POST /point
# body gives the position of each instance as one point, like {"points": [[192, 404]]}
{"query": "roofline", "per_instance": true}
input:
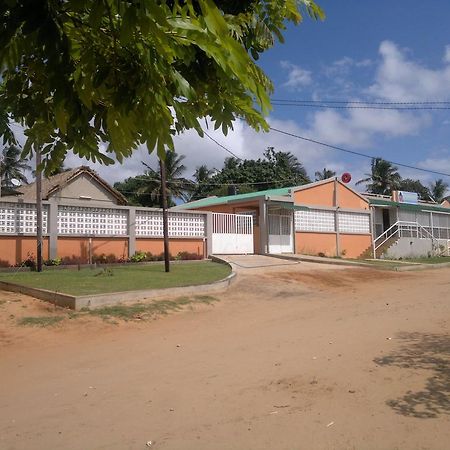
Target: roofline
{"points": [[326, 181], [85, 169]]}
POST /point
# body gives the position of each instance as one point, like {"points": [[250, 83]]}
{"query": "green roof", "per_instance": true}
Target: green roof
{"points": [[210, 201], [410, 206]]}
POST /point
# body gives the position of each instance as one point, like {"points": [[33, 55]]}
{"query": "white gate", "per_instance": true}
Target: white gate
{"points": [[280, 232], [232, 234]]}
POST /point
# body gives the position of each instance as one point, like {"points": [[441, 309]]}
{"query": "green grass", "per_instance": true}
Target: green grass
{"points": [[125, 278], [143, 311], [47, 321], [431, 260]]}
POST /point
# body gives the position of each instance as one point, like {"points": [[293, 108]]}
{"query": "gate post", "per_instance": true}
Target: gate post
{"points": [[208, 233]]}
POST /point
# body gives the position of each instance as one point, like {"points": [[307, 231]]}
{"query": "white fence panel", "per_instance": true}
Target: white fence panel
{"points": [[21, 218], [232, 234]]}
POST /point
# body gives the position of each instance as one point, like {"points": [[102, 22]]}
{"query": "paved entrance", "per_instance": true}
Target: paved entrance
{"points": [[256, 261]]}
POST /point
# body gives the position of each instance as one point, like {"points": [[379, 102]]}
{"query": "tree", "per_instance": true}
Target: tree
{"points": [[324, 174], [416, 186], [383, 177], [177, 186], [274, 170], [12, 166], [438, 190], [134, 190], [202, 182], [80, 73]]}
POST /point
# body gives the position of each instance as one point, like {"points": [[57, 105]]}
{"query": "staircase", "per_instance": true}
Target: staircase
{"points": [[368, 252]]}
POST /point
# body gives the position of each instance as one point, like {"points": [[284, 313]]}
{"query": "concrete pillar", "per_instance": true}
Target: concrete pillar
{"points": [[208, 233], [131, 232], [52, 230], [263, 227], [336, 217]]}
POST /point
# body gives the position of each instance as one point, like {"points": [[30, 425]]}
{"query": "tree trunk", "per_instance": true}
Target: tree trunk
{"points": [[162, 167], [38, 211]]}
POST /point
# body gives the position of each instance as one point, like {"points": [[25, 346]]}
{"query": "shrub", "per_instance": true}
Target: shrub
{"points": [[141, 256], [53, 262], [30, 262], [104, 258], [187, 256]]}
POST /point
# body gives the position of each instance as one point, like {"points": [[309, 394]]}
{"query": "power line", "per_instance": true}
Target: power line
{"points": [[385, 108], [352, 152], [222, 146], [360, 102]]}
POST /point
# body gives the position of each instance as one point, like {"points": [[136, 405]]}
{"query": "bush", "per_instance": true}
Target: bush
{"points": [[30, 262], [104, 258], [141, 256], [53, 262], [187, 256]]}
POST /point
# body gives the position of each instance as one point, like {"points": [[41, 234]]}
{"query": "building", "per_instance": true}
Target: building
{"points": [[322, 218], [84, 216]]}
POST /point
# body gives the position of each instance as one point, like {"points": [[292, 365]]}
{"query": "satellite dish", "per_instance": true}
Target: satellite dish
{"points": [[15, 182], [346, 177]]}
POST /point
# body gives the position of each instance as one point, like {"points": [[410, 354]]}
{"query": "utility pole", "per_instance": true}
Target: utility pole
{"points": [[162, 168], [38, 210]]}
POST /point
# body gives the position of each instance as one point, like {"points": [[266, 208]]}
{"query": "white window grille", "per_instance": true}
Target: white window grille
{"points": [[150, 223], [315, 220], [354, 223], [92, 221], [21, 218]]}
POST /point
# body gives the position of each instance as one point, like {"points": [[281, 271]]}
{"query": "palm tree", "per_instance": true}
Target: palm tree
{"points": [[12, 167], [203, 174], [324, 174], [383, 179], [438, 189], [177, 186]]}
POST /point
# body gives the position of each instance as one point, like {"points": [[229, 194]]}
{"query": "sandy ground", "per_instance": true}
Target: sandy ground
{"points": [[296, 356]]}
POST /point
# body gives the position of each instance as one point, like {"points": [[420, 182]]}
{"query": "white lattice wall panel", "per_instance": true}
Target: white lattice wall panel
{"points": [[354, 223], [94, 221], [314, 220], [20, 218], [150, 224]]}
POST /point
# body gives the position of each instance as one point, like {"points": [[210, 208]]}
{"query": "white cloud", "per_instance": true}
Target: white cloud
{"points": [[446, 57], [401, 79], [297, 78]]}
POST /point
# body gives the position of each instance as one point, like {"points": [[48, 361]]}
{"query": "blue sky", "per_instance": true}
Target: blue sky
{"points": [[364, 50]]}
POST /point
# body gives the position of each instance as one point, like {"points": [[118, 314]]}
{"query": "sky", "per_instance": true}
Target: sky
{"points": [[380, 51]]}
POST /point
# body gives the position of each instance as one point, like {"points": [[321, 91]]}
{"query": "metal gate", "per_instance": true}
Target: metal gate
{"points": [[232, 234], [280, 232]]}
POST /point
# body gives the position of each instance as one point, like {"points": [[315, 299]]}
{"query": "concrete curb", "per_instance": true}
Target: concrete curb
{"points": [[113, 298], [320, 260]]}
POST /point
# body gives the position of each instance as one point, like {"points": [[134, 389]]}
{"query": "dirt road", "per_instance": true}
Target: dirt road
{"points": [[292, 357]]}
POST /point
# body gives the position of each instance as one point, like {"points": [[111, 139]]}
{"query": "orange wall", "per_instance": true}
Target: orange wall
{"points": [[353, 245], [348, 199], [156, 246], [315, 243], [15, 249], [321, 195], [78, 247]]}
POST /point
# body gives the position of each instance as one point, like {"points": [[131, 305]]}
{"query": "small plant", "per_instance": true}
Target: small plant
{"points": [[139, 257], [45, 321], [30, 262], [187, 256], [53, 262], [106, 272]]}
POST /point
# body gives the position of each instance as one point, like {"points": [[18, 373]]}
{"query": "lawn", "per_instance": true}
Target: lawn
{"points": [[116, 279]]}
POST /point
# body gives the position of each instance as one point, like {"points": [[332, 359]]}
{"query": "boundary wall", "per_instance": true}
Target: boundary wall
{"points": [[80, 232]]}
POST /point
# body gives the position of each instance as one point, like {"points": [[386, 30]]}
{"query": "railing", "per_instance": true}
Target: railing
{"points": [[405, 229]]}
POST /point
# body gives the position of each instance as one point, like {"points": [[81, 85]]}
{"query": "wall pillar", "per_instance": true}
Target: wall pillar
{"points": [[131, 232], [336, 217], [52, 230], [208, 233], [263, 227]]}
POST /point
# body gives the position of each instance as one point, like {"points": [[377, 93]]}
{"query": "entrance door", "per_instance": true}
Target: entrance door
{"points": [[386, 219], [280, 232]]}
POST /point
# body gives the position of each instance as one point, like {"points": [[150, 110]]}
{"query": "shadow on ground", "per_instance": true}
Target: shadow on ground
{"points": [[423, 352]]}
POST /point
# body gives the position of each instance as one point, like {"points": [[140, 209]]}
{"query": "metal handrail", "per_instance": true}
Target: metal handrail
{"points": [[400, 226]]}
